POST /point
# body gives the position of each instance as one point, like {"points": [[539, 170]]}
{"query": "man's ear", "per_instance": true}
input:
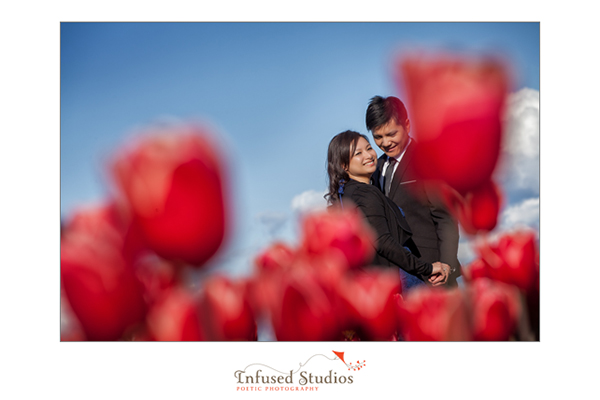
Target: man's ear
{"points": [[407, 125]]}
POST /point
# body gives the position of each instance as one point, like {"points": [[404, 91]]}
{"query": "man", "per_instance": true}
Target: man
{"points": [[434, 231]]}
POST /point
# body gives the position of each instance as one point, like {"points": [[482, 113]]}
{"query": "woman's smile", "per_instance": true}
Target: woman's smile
{"points": [[362, 162]]}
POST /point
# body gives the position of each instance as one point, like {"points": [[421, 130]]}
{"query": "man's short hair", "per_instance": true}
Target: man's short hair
{"points": [[382, 109]]}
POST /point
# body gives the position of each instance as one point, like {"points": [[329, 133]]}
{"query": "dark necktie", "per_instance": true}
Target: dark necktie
{"points": [[387, 178]]}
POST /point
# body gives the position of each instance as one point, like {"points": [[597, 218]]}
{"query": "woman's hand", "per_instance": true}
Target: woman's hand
{"points": [[440, 273]]}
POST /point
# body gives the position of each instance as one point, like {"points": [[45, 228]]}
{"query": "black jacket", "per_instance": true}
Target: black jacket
{"points": [[392, 230], [435, 232]]}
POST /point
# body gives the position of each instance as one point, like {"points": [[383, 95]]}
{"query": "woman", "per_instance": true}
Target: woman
{"points": [[350, 163]]}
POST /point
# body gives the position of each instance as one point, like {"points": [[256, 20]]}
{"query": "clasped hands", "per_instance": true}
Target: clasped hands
{"points": [[440, 273]]}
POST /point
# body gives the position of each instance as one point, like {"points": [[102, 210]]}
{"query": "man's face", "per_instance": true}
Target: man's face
{"points": [[392, 137]]}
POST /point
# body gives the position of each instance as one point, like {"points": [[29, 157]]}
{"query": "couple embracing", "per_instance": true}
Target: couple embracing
{"points": [[413, 231]]}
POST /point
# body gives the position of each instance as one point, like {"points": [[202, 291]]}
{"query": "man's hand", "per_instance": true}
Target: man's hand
{"points": [[440, 273]]}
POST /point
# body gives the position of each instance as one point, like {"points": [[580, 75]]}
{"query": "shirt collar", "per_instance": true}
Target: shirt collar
{"points": [[399, 157]]}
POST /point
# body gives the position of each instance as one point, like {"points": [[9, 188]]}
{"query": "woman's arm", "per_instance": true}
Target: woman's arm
{"points": [[386, 245]]}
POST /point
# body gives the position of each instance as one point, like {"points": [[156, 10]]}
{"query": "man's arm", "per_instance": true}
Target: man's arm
{"points": [[447, 233]]}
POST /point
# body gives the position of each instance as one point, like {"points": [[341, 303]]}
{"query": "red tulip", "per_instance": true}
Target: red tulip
{"points": [[263, 291], [98, 281], [277, 257], [477, 269], [279, 260], [519, 252], [70, 328], [456, 109], [305, 310], [434, 315], [271, 264], [106, 223], [495, 309], [368, 299], [157, 276], [175, 317], [226, 312], [476, 211], [513, 260], [339, 233], [172, 184], [484, 204]]}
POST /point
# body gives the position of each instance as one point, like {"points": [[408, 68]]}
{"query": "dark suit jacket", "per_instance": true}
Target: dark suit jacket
{"points": [[433, 229], [392, 230]]}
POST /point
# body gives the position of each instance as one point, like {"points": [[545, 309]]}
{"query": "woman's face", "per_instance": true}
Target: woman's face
{"points": [[363, 162]]}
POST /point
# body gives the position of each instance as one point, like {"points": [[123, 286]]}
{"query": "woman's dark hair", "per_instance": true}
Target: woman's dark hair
{"points": [[383, 109], [338, 157]]}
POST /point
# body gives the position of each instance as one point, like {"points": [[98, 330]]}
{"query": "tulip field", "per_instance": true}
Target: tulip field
{"points": [[125, 263]]}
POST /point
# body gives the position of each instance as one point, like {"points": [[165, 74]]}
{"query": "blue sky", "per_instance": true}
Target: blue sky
{"points": [[274, 93]]}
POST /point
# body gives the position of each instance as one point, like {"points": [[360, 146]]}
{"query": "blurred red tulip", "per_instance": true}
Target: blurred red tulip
{"points": [[369, 303], [175, 317], [172, 184], [72, 336], [339, 233], [279, 260], [278, 256], [484, 205], [263, 288], [495, 309], [263, 291], [513, 260], [475, 270], [476, 211], [225, 310], [98, 281], [305, 310], [328, 268], [157, 276], [434, 315], [70, 328], [456, 107], [106, 223], [519, 251]]}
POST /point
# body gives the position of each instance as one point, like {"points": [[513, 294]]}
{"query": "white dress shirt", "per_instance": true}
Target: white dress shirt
{"points": [[387, 163]]}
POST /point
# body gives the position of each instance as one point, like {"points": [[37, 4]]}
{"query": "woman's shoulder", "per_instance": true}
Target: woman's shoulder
{"points": [[361, 190], [362, 187]]}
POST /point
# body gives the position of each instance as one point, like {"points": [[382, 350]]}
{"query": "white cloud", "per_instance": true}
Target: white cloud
{"points": [[466, 253], [310, 200], [523, 214], [522, 118], [519, 167]]}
